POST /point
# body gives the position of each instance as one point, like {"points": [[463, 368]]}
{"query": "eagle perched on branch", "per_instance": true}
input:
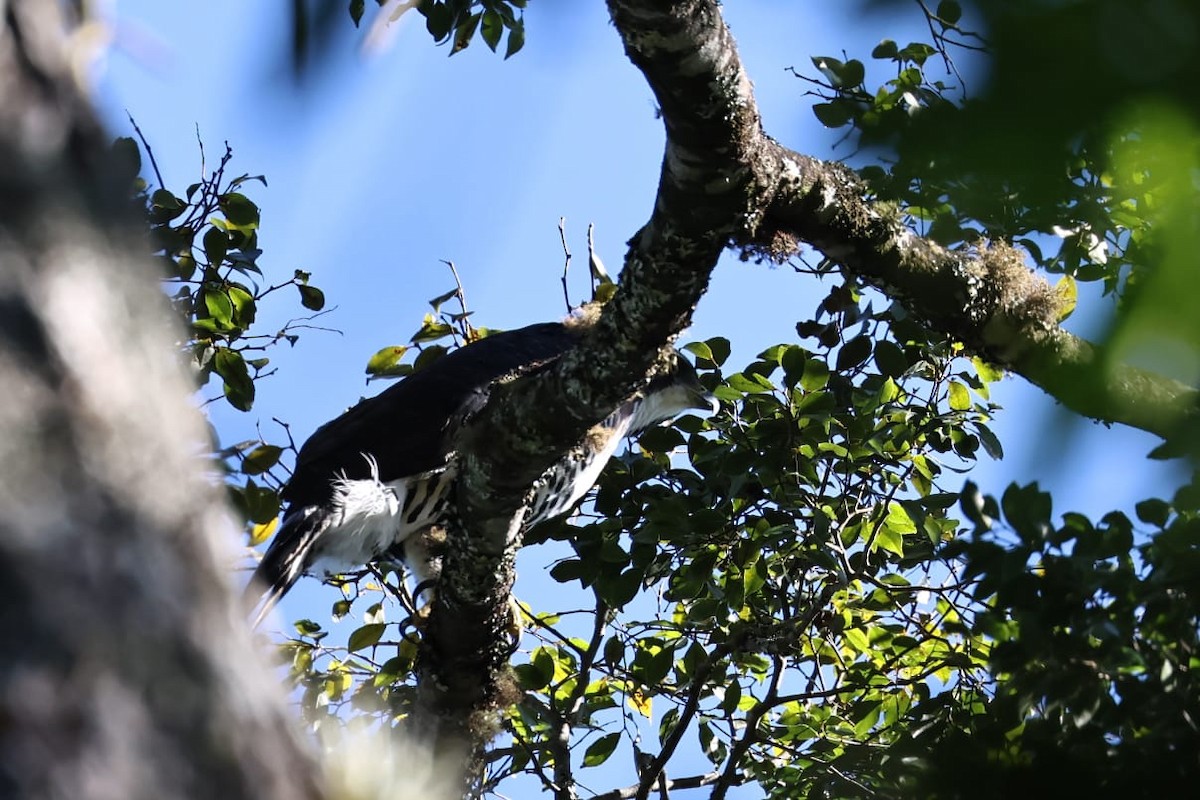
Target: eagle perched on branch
{"points": [[382, 474]]}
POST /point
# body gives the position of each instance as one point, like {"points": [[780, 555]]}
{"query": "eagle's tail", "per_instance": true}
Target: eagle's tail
{"points": [[289, 554]]}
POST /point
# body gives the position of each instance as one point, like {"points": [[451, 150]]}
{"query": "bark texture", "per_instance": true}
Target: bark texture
{"points": [[700, 209], [128, 670], [724, 183]]}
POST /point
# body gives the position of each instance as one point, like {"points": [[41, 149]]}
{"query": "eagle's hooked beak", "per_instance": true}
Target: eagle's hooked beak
{"points": [[698, 397]]}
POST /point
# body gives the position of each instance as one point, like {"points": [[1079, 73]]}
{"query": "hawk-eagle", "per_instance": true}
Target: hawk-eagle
{"points": [[382, 474]]}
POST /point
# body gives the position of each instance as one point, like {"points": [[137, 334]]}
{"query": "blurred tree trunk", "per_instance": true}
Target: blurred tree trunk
{"points": [[128, 670]]}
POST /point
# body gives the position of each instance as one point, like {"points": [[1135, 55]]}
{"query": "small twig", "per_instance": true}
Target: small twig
{"points": [[690, 782], [562, 235], [200, 142], [464, 324], [595, 265], [649, 778], [299, 327], [400, 593], [149, 152], [287, 429]]}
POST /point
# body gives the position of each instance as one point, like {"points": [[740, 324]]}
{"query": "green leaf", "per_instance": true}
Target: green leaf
{"points": [[126, 159], [990, 443], [834, 114], [219, 306], [465, 32], [960, 398], [888, 392], [441, 298], [890, 359], [239, 210], [257, 504], [853, 73], [357, 7], [385, 360], [714, 350], [427, 356], [239, 388], [1067, 295], [261, 459], [899, 520], [949, 11], [366, 636], [529, 677], [439, 20], [886, 49], [748, 383], [1027, 511], [491, 29], [306, 627], [853, 353], [793, 361], [1153, 512], [619, 589], [432, 330], [569, 570], [184, 267], [216, 244], [988, 373], [829, 67], [311, 297], [918, 53], [599, 750], [340, 609], [165, 206], [816, 375], [857, 638], [244, 307], [889, 540], [543, 662], [516, 38], [700, 350]]}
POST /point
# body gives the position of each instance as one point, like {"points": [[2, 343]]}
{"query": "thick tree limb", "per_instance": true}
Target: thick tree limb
{"points": [[127, 669], [528, 424], [988, 299]]}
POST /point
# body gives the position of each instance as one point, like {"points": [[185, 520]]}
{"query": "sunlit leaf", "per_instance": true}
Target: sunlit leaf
{"points": [[366, 636], [641, 703], [960, 397], [260, 532]]}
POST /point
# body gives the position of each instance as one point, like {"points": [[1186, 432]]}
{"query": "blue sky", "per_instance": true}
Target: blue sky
{"points": [[381, 167]]}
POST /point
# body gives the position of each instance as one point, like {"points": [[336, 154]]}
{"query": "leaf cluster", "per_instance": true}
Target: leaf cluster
{"points": [[206, 239], [458, 21], [1097, 630]]}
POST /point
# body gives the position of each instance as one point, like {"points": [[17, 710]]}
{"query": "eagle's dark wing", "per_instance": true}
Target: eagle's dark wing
{"points": [[403, 429]]}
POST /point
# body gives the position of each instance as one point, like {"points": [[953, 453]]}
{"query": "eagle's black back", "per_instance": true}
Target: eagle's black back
{"points": [[404, 427]]}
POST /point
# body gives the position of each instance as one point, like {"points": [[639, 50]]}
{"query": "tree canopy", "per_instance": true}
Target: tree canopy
{"points": [[800, 595]]}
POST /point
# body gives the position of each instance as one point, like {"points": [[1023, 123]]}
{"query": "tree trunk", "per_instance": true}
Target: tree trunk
{"points": [[128, 670]]}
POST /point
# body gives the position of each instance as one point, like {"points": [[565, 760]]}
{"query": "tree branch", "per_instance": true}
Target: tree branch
{"points": [[690, 782], [723, 182], [528, 424], [987, 299]]}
